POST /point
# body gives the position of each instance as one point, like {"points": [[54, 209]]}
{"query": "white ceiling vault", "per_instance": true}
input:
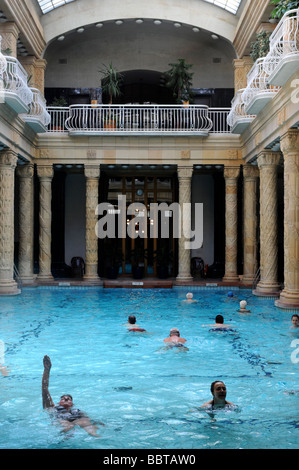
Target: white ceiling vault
{"points": [[229, 5]]}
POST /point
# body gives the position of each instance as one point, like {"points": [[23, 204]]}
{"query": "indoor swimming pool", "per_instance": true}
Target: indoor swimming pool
{"points": [[148, 396]]}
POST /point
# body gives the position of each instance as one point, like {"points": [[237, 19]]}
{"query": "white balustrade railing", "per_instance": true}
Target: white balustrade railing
{"points": [[15, 79], [284, 41], [58, 117], [218, 117], [257, 81], [38, 109], [138, 118], [238, 111]]}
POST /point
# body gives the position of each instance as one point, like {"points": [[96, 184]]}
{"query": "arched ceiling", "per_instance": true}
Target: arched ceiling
{"points": [[202, 14]]}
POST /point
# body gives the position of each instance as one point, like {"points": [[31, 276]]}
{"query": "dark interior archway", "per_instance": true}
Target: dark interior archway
{"points": [[144, 86]]}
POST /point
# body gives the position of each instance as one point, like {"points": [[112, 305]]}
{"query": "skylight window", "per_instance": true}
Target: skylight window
{"points": [[48, 5], [229, 5]]}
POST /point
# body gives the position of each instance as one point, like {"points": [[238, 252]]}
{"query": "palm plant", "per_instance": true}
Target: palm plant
{"points": [[111, 81], [179, 79], [282, 6]]}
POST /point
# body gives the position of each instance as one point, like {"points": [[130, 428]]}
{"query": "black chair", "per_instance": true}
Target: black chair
{"points": [[197, 267], [78, 266]]}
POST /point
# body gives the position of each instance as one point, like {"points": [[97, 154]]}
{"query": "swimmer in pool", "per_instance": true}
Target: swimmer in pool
{"points": [[174, 338], [295, 321], [218, 325], [132, 326], [218, 390], [68, 416], [189, 298]]}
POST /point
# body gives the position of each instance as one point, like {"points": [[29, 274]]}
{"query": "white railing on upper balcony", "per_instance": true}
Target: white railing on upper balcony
{"points": [[139, 118], [238, 111], [257, 81], [284, 41], [38, 109], [15, 79]]}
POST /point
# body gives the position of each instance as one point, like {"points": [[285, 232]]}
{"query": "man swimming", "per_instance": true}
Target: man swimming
{"points": [[132, 326], [219, 324], [174, 339], [68, 416]]}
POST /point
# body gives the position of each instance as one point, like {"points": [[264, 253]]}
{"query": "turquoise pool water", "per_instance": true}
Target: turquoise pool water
{"points": [[146, 395]]}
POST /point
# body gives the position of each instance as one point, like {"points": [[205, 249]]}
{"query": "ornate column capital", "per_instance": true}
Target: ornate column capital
{"points": [[268, 158], [289, 142], [185, 172], [8, 158], [231, 172], [45, 172], [250, 171], [92, 171], [25, 171]]}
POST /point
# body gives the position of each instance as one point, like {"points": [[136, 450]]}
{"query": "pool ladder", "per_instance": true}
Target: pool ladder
{"points": [[17, 276], [256, 278]]}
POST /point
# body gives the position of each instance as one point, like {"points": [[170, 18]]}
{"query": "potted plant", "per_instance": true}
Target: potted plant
{"points": [[281, 7], [179, 79], [163, 257], [111, 79], [260, 47]]}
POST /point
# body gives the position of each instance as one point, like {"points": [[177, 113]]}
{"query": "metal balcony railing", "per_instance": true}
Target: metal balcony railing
{"points": [[258, 87], [284, 41], [37, 113], [238, 116], [140, 119], [14, 81]]}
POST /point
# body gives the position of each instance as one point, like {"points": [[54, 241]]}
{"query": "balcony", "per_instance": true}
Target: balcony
{"points": [[258, 92], [282, 60], [238, 119], [78, 120], [15, 91], [37, 117]]}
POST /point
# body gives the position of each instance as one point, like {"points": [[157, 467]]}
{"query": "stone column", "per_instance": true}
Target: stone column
{"points": [[10, 33], [250, 177], [184, 268], [8, 162], [231, 175], [241, 68], [35, 69], [26, 222], [289, 144], [267, 163], [92, 174], [45, 174]]}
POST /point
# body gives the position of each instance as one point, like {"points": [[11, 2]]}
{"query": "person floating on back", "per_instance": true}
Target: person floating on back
{"points": [[64, 412]]}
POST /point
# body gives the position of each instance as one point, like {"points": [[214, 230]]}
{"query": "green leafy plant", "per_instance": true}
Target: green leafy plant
{"points": [[111, 81], [282, 6], [59, 102], [260, 47], [179, 79]]}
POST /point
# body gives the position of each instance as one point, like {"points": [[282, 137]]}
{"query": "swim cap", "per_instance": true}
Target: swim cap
{"points": [[230, 294]]}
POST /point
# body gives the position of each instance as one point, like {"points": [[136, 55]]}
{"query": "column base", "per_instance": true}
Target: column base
{"points": [[92, 279], [288, 300], [247, 281], [264, 289], [230, 278], [9, 288], [44, 278], [184, 278]]}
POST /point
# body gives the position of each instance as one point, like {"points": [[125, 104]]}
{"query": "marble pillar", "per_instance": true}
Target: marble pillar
{"points": [[184, 265], [45, 174], [289, 145], [25, 175], [8, 163], [268, 162], [92, 175], [250, 181], [231, 175]]}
